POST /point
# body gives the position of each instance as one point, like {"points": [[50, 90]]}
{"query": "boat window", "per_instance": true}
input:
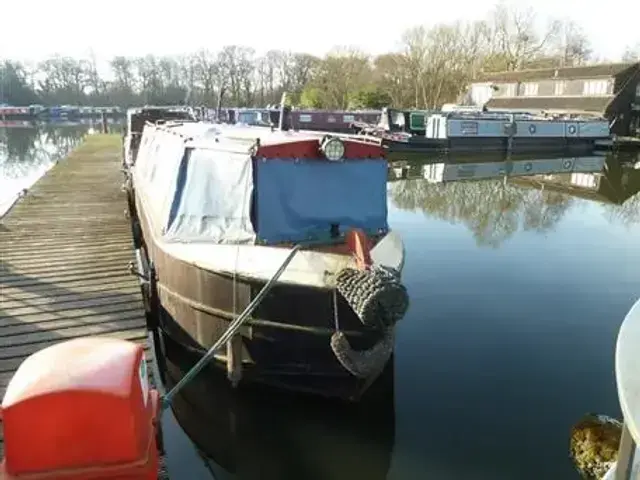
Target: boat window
{"points": [[397, 119], [247, 117], [305, 117], [348, 118], [417, 120]]}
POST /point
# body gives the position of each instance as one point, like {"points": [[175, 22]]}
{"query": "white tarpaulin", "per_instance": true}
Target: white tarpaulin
{"points": [[212, 198]]}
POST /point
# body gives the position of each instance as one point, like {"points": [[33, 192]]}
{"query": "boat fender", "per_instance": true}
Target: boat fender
{"points": [[363, 363], [376, 295]]}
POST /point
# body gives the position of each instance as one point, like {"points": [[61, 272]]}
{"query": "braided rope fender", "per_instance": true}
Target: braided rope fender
{"points": [[376, 295], [363, 363]]}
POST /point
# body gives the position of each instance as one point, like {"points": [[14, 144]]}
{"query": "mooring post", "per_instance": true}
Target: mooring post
{"points": [[105, 125]]}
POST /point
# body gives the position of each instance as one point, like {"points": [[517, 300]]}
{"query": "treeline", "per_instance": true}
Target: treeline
{"points": [[433, 66]]}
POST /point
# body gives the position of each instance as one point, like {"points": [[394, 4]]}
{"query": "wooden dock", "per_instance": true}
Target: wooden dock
{"points": [[64, 252]]}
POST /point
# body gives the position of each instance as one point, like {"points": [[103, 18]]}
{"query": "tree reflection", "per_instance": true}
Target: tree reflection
{"points": [[625, 176], [492, 209], [496, 208], [23, 150]]}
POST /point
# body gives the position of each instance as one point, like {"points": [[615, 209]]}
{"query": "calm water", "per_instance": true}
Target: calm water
{"points": [[27, 151], [518, 288]]}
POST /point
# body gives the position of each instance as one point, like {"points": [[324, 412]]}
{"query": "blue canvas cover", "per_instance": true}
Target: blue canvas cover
{"points": [[298, 200]]}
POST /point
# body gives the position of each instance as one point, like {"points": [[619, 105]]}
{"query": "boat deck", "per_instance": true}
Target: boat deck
{"points": [[628, 383], [64, 251]]}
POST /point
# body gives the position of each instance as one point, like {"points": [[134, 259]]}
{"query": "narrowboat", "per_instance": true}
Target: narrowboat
{"points": [[225, 213], [334, 121], [469, 130], [15, 113], [136, 118]]}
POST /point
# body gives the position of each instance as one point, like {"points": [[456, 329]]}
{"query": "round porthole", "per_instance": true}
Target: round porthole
{"points": [[528, 166], [567, 164], [572, 129], [532, 128]]}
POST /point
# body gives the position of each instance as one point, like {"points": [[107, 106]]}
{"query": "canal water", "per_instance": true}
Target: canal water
{"points": [[518, 286]]}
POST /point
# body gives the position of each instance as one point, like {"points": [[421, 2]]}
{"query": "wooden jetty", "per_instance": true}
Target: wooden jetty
{"points": [[64, 252]]}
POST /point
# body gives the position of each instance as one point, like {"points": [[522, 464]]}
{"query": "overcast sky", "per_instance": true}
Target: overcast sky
{"points": [[38, 28]]}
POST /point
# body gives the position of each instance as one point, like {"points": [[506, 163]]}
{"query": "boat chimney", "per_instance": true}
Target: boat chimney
{"points": [[284, 122]]}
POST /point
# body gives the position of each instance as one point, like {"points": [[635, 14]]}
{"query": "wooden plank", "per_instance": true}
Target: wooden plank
{"points": [[12, 363], [106, 259], [19, 308], [61, 280], [71, 285], [78, 313], [11, 302], [12, 334], [19, 294]]}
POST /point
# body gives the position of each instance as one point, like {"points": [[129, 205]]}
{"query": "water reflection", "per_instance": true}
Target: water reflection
{"points": [[263, 434], [28, 150], [495, 199]]}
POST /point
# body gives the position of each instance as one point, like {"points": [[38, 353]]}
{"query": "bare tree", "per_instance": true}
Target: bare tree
{"points": [[515, 36], [572, 45], [632, 53]]}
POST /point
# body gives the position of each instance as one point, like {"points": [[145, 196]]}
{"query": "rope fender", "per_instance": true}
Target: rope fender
{"points": [[363, 363], [376, 295]]}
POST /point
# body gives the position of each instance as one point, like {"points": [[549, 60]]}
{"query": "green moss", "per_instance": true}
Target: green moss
{"points": [[594, 445]]}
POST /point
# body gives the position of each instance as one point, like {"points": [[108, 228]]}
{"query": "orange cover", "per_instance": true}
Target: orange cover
{"points": [[81, 409]]}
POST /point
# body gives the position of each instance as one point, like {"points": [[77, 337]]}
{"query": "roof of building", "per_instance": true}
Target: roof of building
{"points": [[566, 73], [579, 104]]}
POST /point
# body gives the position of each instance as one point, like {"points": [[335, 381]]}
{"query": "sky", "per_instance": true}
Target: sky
{"points": [[33, 30]]}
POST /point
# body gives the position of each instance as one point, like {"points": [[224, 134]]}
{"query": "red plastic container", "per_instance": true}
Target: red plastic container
{"points": [[81, 409]]}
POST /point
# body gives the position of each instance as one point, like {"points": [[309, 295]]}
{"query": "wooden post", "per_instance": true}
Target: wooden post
{"points": [[105, 125]]}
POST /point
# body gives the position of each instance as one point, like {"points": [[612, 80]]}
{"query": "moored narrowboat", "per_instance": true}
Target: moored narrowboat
{"points": [[467, 131], [226, 212], [136, 118], [334, 121], [8, 112]]}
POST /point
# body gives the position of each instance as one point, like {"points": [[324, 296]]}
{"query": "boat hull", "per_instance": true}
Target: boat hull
{"points": [[286, 344], [518, 145]]}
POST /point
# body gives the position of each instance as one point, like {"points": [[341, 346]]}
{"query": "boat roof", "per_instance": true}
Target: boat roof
{"points": [[210, 135]]}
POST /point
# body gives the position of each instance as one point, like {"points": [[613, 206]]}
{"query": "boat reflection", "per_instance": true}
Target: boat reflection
{"points": [[254, 433], [497, 197], [606, 178]]}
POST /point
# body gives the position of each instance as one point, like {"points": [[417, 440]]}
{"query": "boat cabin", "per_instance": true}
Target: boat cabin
{"points": [[212, 183], [137, 118]]}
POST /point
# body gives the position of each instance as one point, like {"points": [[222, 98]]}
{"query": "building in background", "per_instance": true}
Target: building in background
{"points": [[611, 90]]}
